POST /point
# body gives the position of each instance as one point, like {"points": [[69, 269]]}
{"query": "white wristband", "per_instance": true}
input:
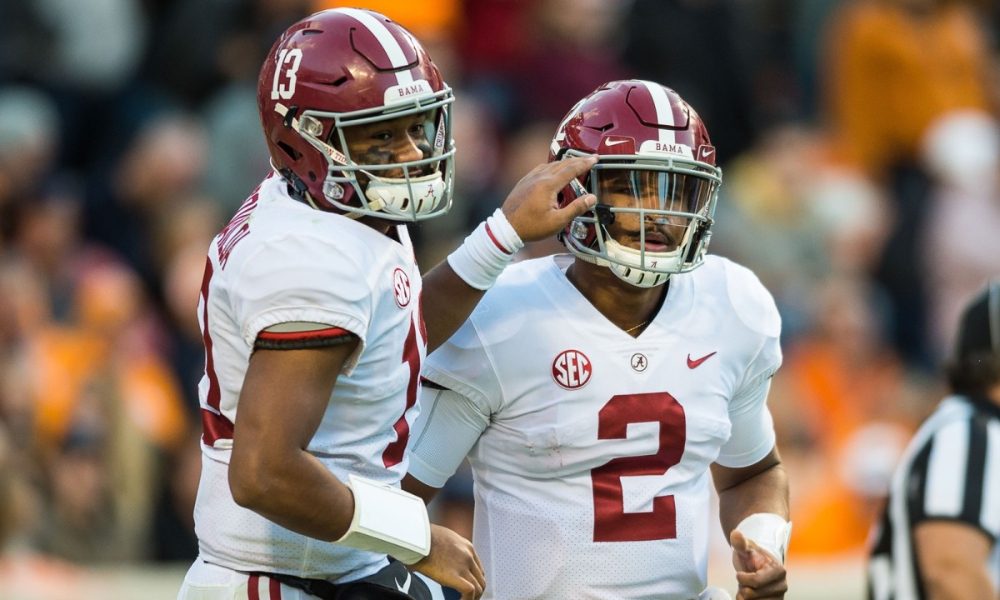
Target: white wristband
{"points": [[486, 252], [387, 520], [769, 531]]}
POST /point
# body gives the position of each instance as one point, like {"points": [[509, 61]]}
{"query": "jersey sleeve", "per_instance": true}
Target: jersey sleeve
{"points": [[448, 426], [752, 434], [293, 280], [464, 364]]}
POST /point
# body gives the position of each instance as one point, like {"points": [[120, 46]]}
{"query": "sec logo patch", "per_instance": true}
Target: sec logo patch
{"points": [[571, 369], [401, 287]]}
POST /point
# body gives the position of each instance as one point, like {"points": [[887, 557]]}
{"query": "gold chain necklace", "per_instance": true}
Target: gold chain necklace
{"points": [[634, 327]]}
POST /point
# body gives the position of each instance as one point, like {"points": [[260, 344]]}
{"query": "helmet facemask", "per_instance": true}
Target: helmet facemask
{"points": [[411, 190], [653, 217]]}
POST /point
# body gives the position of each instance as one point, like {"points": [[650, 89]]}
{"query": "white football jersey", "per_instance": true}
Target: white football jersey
{"points": [[280, 261], [591, 449]]}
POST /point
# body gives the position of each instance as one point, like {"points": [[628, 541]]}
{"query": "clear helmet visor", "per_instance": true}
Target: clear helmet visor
{"points": [[651, 220], [400, 162]]}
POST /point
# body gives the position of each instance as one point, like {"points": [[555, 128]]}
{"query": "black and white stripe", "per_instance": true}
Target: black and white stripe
{"points": [[950, 471]]}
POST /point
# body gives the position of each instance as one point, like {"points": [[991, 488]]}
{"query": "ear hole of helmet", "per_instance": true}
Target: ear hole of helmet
{"points": [[292, 153], [339, 81]]}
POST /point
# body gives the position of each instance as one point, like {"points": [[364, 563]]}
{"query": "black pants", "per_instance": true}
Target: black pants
{"points": [[394, 582]]}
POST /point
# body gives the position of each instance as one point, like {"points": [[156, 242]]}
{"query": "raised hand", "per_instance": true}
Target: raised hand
{"points": [[532, 207], [453, 562], [758, 572]]}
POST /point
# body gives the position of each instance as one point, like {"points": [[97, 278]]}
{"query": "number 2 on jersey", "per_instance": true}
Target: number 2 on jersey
{"points": [[611, 522]]}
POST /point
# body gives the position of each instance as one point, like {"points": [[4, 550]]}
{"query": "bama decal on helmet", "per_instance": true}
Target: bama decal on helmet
{"points": [[571, 369], [658, 147], [398, 93]]}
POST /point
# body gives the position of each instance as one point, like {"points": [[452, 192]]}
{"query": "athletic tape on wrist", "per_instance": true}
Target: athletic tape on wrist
{"points": [[387, 520], [486, 252], [769, 531]]}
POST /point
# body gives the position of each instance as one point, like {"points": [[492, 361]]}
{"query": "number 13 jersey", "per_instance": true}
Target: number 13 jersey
{"points": [[590, 449]]}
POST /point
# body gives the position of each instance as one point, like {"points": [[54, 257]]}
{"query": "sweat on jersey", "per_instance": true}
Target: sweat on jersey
{"points": [[591, 449], [280, 261]]}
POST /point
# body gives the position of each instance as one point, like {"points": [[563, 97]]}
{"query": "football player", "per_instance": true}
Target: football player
{"points": [[599, 394], [311, 312]]}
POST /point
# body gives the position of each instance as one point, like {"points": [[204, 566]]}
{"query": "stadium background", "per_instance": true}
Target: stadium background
{"points": [[860, 147]]}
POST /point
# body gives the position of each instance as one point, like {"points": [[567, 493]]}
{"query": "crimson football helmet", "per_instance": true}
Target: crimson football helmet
{"points": [[345, 68], [655, 175]]}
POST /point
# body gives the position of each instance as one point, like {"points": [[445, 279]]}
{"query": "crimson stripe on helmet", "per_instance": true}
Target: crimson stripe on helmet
{"points": [[385, 38], [664, 110]]}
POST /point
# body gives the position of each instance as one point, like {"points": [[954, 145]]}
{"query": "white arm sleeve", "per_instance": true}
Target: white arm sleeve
{"points": [[448, 427]]}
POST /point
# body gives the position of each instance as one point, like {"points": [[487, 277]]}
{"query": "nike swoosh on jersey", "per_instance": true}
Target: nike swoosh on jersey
{"points": [[405, 586], [694, 364]]}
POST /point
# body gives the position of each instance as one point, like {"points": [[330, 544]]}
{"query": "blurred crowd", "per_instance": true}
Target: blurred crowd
{"points": [[861, 153]]}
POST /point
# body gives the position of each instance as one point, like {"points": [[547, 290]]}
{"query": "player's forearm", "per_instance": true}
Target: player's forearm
{"points": [[418, 488], [296, 492], [765, 492], [453, 300], [964, 581]]}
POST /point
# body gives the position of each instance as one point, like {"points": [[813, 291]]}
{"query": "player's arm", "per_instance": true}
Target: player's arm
{"points": [[953, 558], [753, 489], [748, 474], [760, 488], [448, 427], [753, 509], [284, 396], [419, 488], [531, 212]]}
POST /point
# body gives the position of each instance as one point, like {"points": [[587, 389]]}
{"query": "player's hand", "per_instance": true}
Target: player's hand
{"points": [[532, 207], [758, 572], [453, 563]]}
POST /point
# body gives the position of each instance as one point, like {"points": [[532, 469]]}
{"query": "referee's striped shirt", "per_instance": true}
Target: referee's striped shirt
{"points": [[950, 471]]}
